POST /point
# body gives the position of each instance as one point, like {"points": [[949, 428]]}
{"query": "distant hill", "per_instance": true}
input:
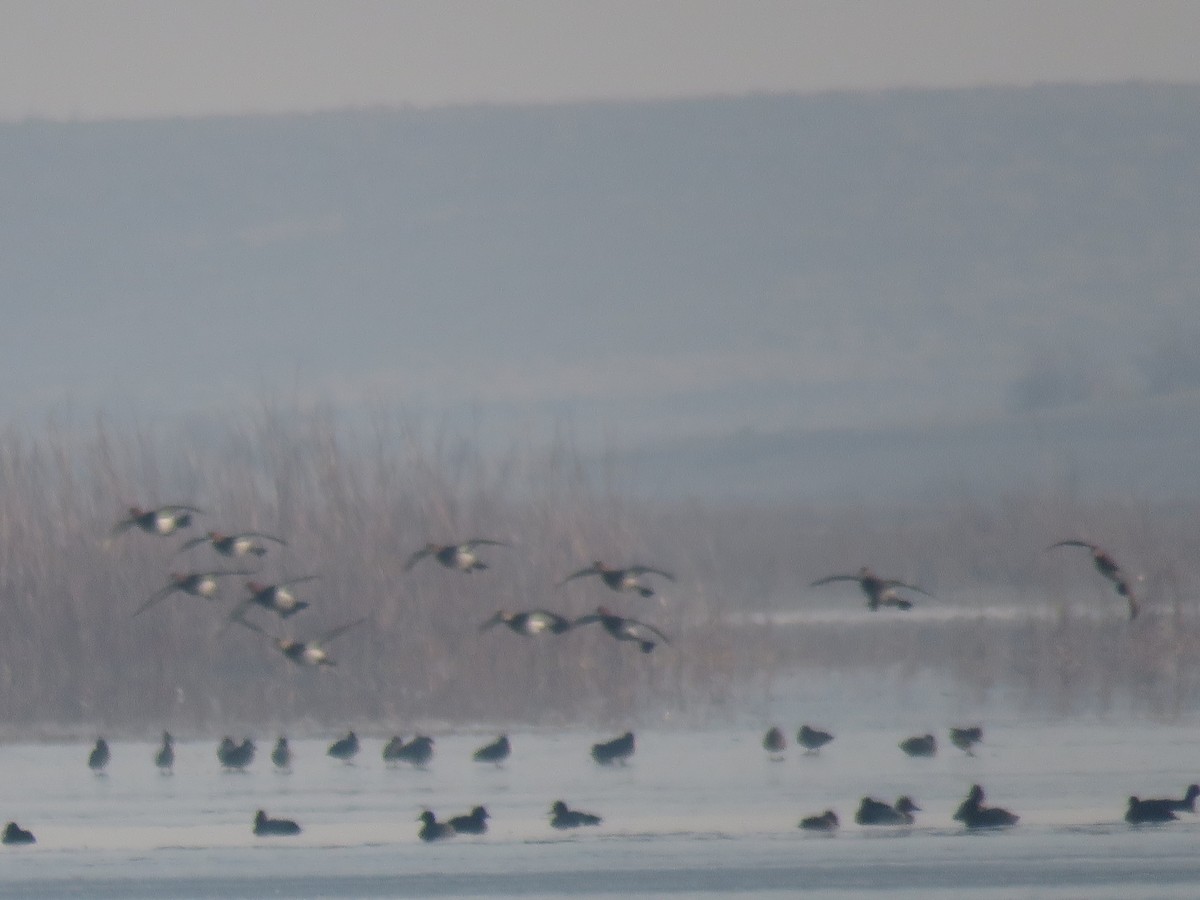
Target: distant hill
{"points": [[662, 271]]}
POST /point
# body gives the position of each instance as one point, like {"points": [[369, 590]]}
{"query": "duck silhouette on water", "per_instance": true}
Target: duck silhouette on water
{"points": [[281, 754], [345, 748], [417, 752], [972, 813], [496, 752], [99, 757], [812, 739], [1107, 566], [243, 543], [876, 812], [474, 822], [826, 821], [459, 557], [878, 591], [16, 836], [627, 580], [563, 817], [431, 829], [1161, 809], [965, 739], [529, 623], [264, 826], [774, 742], [618, 750], [622, 628], [161, 521], [923, 745], [164, 759], [233, 756]]}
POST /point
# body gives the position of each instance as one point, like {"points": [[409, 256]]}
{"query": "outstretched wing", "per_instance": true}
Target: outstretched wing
{"points": [[891, 582], [161, 594], [193, 542], [492, 622], [590, 570], [1073, 543], [650, 570], [247, 623], [291, 581], [650, 628], [831, 578], [481, 542], [417, 557], [258, 534], [586, 620], [341, 629]]}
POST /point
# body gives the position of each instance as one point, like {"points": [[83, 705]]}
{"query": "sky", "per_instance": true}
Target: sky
{"points": [[81, 60]]}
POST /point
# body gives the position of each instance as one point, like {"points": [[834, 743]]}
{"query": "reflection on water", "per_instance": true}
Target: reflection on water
{"points": [[694, 812]]}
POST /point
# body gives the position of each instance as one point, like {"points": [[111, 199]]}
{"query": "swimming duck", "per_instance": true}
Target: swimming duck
{"points": [[879, 591], [15, 835], [925, 745], [162, 521], [417, 752], [278, 598], [196, 584], [563, 817], [164, 759], [234, 756], [812, 739], [620, 580], [826, 821], [1161, 810], [266, 827], [965, 739], [243, 543], [972, 813], [774, 742], [281, 755], [474, 822], [875, 812], [345, 748], [495, 752], [530, 623], [99, 757], [618, 750], [624, 629], [432, 829], [309, 652], [1107, 566], [461, 557]]}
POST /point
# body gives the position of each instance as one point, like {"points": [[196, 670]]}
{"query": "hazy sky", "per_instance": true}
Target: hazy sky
{"points": [[77, 59]]}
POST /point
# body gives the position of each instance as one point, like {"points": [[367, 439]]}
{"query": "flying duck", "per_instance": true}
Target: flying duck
{"points": [[309, 652], [15, 835], [278, 598], [965, 739], [624, 629], [618, 750], [925, 745], [495, 752], [1107, 566], [165, 757], [243, 543], [563, 817], [530, 623], [879, 591], [474, 822], [162, 520], [196, 584], [972, 813], [774, 742], [812, 739], [875, 812], [620, 580], [827, 821], [99, 757], [281, 755], [432, 829], [461, 557], [266, 827], [345, 748]]}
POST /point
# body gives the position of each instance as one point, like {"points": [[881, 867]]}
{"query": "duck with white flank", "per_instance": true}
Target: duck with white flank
{"points": [[345, 748], [972, 813], [14, 835], [876, 812], [624, 629], [99, 757], [161, 521], [164, 759], [431, 829], [277, 598], [620, 580], [812, 739], [474, 822], [879, 591], [531, 623], [561, 816], [618, 750], [309, 652], [243, 543], [924, 745], [264, 826], [826, 821], [195, 584], [281, 755], [1107, 566], [965, 739], [460, 557], [495, 752]]}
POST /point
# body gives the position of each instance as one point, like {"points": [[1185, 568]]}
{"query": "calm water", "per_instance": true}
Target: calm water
{"points": [[693, 814]]}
